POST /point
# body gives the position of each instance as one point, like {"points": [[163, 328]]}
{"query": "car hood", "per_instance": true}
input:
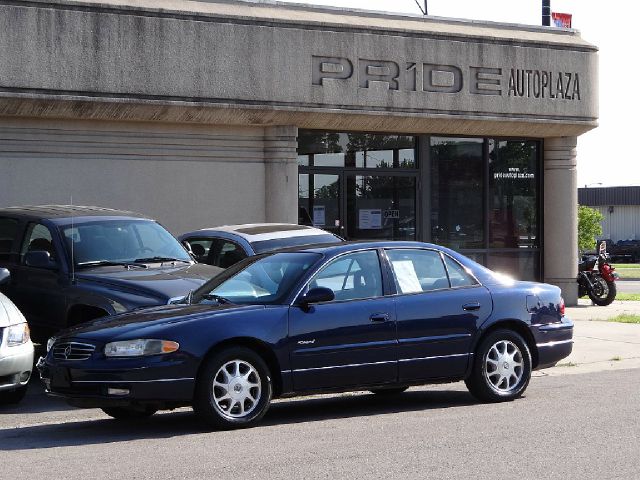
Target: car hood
{"points": [[164, 281], [9, 313], [108, 328]]}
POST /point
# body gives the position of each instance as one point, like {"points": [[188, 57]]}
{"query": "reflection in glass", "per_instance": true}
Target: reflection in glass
{"points": [[519, 265], [513, 194], [457, 219], [361, 150], [381, 207], [322, 207]]}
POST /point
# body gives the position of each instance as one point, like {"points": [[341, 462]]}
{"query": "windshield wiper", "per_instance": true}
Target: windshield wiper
{"points": [[160, 259], [217, 298], [108, 263]]}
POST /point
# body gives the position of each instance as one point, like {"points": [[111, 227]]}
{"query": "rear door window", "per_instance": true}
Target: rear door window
{"points": [[417, 271], [458, 276]]}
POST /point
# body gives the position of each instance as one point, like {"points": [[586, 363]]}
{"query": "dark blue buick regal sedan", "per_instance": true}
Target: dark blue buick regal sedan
{"points": [[380, 316]]}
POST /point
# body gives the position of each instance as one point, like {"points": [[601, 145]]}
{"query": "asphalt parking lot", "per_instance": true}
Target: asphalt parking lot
{"points": [[570, 427], [578, 420]]}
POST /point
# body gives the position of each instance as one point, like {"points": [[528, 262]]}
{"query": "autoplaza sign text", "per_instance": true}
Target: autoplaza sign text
{"points": [[428, 77]]}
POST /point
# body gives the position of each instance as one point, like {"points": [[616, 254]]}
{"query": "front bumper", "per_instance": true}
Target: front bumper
{"points": [[120, 382], [15, 366], [554, 342]]}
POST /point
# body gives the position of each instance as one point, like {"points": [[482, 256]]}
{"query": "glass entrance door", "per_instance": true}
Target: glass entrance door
{"points": [[381, 207], [319, 202], [358, 205]]}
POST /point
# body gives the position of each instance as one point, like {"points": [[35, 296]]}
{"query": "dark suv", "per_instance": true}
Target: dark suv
{"points": [[70, 264]]}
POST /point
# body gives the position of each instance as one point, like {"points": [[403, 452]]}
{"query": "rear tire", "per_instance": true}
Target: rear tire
{"points": [[603, 293], [501, 368], [12, 397], [129, 413], [233, 389]]}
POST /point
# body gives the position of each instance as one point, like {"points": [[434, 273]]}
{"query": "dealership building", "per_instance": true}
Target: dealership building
{"points": [[371, 125]]}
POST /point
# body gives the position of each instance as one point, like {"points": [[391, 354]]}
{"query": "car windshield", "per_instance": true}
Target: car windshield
{"points": [[263, 246], [259, 280], [134, 241]]}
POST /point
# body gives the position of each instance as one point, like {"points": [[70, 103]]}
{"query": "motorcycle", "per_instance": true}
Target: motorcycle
{"points": [[596, 277]]}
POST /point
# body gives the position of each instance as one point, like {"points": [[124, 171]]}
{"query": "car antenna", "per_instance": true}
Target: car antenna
{"points": [[73, 260]]}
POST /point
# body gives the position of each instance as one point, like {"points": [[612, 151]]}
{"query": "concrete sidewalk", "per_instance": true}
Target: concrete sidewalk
{"points": [[600, 345]]}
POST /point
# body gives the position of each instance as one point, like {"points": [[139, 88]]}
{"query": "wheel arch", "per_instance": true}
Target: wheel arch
{"points": [[518, 326], [259, 347]]}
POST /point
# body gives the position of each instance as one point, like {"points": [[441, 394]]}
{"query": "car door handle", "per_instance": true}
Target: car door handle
{"points": [[379, 317], [471, 306]]}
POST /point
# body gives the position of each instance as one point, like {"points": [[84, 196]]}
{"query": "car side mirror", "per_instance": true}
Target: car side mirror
{"points": [[39, 259], [317, 295], [5, 275]]}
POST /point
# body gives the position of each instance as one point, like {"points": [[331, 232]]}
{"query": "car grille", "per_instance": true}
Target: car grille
{"points": [[72, 351]]}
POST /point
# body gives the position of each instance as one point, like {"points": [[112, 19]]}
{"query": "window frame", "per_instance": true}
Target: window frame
{"points": [[442, 254], [386, 292]]}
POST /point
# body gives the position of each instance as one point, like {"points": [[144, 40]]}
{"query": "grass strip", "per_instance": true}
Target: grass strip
{"points": [[626, 318], [634, 297]]}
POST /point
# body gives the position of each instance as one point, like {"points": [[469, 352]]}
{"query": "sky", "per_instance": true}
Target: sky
{"points": [[605, 155]]}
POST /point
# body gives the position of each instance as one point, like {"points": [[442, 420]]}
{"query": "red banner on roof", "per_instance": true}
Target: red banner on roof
{"points": [[561, 19]]}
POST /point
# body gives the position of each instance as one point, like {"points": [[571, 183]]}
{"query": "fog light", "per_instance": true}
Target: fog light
{"points": [[25, 376], [118, 391]]}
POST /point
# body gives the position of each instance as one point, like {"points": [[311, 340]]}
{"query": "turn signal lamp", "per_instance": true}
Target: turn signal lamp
{"points": [[140, 347]]}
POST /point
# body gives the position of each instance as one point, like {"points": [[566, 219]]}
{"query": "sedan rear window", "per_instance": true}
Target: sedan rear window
{"points": [[276, 243]]}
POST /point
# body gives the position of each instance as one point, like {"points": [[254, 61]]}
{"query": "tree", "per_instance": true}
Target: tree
{"points": [[589, 227]]}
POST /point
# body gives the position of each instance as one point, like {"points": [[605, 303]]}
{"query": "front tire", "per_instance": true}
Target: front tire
{"points": [[13, 397], [233, 390], [501, 369], [603, 292]]}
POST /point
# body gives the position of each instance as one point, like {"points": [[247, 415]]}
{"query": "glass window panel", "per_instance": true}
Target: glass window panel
{"points": [[352, 276], [513, 193], [417, 270], [328, 160], [381, 207], [457, 274], [38, 239], [361, 150], [457, 219], [319, 201], [519, 265], [303, 160]]}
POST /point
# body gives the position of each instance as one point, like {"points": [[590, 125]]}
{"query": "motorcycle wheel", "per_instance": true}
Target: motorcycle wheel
{"points": [[603, 292]]}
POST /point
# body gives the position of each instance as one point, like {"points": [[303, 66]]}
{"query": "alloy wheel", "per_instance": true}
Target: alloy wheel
{"points": [[236, 389], [504, 366]]}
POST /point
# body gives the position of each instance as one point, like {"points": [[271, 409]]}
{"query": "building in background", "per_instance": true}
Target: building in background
{"points": [[620, 207], [370, 125]]}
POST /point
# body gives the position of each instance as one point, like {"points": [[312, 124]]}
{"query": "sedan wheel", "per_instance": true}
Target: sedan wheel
{"points": [[233, 389], [236, 389], [501, 369]]}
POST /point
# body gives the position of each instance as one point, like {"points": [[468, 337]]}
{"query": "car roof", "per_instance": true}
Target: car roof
{"points": [[66, 211], [329, 249], [256, 232]]}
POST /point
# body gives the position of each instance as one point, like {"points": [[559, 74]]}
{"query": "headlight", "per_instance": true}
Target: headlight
{"points": [[18, 334], [139, 348], [50, 343]]}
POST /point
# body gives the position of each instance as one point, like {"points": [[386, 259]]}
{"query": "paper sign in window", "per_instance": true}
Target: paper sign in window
{"points": [[406, 276]]}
